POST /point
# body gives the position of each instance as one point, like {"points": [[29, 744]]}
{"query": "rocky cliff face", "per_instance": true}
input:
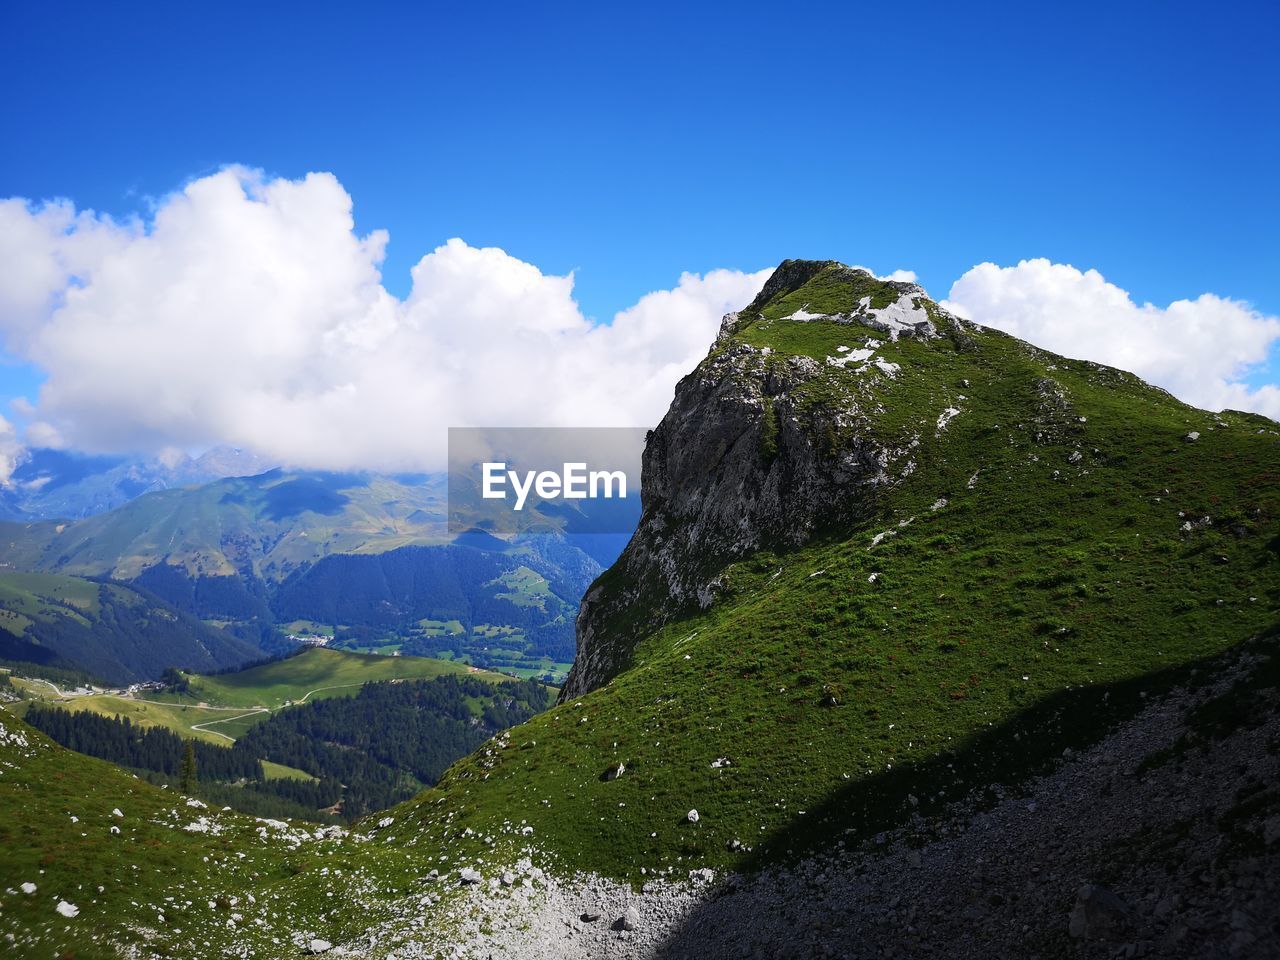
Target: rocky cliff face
{"points": [[758, 452]]}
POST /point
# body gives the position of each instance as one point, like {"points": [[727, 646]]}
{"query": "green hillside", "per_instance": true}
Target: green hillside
{"points": [[30, 598], [210, 724], [1022, 571], [111, 630], [179, 877], [325, 716], [220, 708]]}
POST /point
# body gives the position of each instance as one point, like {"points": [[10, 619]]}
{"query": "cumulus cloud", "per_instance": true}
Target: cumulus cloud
{"points": [[10, 451], [247, 311], [44, 251], [1199, 349], [898, 276]]}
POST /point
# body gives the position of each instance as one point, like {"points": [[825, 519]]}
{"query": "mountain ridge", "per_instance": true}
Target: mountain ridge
{"points": [[856, 379], [1038, 525]]}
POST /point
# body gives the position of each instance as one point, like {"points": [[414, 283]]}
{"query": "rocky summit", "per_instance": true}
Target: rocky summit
{"points": [[765, 445], [929, 642]]}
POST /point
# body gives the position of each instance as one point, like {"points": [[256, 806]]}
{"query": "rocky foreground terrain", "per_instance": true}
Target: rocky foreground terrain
{"points": [[1161, 841]]}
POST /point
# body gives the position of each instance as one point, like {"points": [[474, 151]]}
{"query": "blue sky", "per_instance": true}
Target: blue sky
{"points": [[1140, 139], [631, 143]]}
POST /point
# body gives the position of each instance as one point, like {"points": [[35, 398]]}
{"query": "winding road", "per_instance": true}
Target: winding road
{"points": [[208, 723]]}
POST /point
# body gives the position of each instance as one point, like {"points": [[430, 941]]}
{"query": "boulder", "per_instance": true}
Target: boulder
{"points": [[630, 919]]}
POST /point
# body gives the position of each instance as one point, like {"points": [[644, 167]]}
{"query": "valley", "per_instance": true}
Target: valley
{"points": [[368, 577], [222, 701], [143, 727]]}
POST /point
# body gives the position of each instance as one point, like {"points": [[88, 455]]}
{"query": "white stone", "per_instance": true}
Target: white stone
{"points": [[946, 416]]}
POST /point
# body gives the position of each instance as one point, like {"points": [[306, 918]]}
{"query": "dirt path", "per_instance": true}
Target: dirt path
{"points": [[208, 723]]}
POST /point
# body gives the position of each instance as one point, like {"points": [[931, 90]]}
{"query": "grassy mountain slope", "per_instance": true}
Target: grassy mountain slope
{"points": [[370, 745], [1044, 543], [184, 719], [220, 708], [166, 877], [114, 631]]}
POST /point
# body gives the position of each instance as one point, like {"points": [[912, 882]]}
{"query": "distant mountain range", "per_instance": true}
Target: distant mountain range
{"points": [[365, 559], [59, 484], [265, 526]]}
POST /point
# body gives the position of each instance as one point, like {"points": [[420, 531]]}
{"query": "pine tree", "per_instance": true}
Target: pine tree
{"points": [[188, 780]]}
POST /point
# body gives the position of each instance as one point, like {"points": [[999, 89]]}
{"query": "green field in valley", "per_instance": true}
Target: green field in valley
{"points": [[314, 673], [184, 719], [218, 709]]}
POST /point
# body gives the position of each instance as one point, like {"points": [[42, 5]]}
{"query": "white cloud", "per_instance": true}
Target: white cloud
{"points": [[248, 312], [44, 250], [1199, 349], [898, 276], [10, 451]]}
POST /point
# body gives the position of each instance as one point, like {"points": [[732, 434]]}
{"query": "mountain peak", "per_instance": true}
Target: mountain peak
{"points": [[804, 291], [791, 275], [829, 281], [835, 398]]}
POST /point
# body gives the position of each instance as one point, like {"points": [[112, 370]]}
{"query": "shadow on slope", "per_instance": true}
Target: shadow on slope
{"points": [[988, 767]]}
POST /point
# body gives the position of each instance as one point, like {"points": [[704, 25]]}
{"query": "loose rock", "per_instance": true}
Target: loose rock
{"points": [[1098, 914]]}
